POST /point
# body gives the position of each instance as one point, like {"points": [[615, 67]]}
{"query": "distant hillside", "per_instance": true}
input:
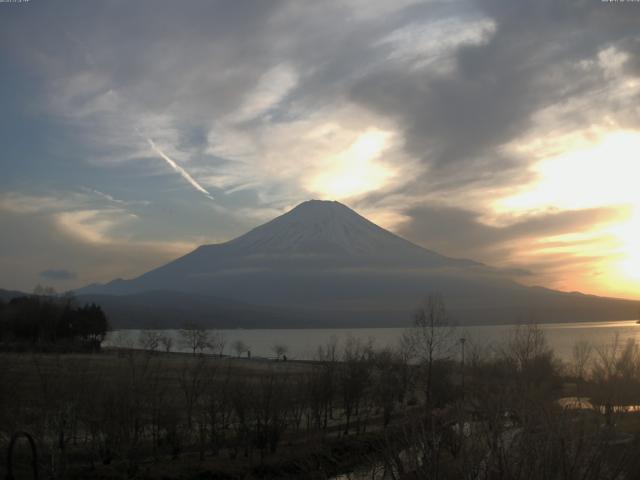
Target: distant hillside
{"points": [[6, 295], [162, 309]]}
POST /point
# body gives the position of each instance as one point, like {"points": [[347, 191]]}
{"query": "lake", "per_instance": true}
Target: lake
{"points": [[303, 343]]}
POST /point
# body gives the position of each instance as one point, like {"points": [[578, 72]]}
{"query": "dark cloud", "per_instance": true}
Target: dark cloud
{"points": [[199, 63], [58, 274], [457, 121], [460, 232]]}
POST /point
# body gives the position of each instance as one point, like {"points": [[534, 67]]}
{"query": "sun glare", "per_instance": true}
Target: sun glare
{"points": [[356, 170], [629, 235], [605, 173]]}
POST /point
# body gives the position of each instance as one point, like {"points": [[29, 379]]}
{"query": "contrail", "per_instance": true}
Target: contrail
{"points": [[179, 169]]}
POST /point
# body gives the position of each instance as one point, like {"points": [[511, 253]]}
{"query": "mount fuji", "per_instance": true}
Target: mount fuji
{"points": [[322, 264]]}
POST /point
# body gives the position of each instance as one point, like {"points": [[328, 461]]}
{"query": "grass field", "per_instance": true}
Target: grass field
{"points": [[127, 413]]}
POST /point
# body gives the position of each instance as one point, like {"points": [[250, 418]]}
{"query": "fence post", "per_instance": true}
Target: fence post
{"points": [[34, 454]]}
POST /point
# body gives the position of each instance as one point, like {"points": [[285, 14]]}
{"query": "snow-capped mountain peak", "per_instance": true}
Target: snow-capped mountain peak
{"points": [[322, 262], [322, 227], [314, 237]]}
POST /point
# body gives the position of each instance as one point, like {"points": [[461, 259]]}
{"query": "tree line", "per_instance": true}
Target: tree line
{"points": [[45, 319]]}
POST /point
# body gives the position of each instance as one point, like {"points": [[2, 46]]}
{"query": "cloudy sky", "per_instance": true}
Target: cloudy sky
{"points": [[506, 131]]}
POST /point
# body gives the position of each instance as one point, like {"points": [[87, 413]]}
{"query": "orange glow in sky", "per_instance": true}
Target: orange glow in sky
{"points": [[604, 172]]}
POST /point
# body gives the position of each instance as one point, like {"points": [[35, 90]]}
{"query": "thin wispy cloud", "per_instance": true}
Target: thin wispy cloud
{"points": [[111, 199], [179, 169], [105, 196]]}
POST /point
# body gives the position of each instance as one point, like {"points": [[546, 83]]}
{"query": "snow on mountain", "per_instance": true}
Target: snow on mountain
{"points": [[323, 227], [313, 237], [323, 257]]}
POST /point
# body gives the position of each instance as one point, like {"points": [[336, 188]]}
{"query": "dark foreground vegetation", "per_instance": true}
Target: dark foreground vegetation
{"points": [[436, 407], [45, 321]]}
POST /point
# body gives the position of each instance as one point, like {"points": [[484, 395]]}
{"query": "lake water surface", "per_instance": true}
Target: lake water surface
{"points": [[303, 343]]}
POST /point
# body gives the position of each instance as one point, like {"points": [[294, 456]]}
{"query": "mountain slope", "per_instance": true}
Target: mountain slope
{"points": [[314, 237], [6, 295], [329, 264]]}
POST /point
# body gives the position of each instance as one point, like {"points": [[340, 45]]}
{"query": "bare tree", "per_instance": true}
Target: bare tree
{"points": [[323, 383], [431, 337], [218, 410], [167, 343], [122, 341], [217, 343], [354, 377], [239, 347], [525, 344], [279, 350], [387, 382], [329, 352], [269, 413], [615, 376], [149, 340], [194, 337], [581, 355], [529, 354], [192, 379]]}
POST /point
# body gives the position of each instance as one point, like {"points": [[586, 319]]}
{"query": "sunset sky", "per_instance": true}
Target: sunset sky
{"points": [[505, 131]]}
